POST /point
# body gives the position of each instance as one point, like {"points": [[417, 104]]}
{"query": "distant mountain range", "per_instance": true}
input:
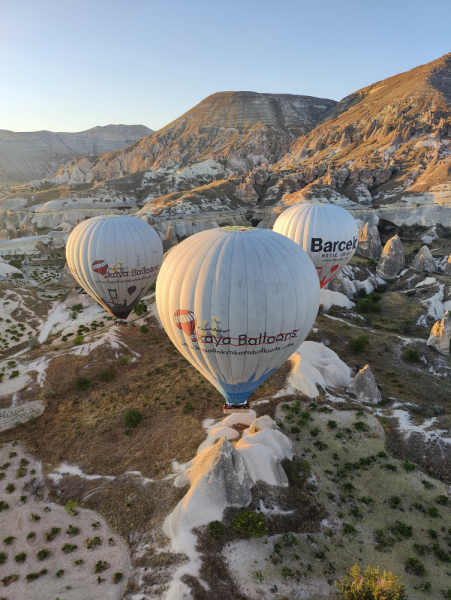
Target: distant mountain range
{"points": [[38, 154], [383, 151]]}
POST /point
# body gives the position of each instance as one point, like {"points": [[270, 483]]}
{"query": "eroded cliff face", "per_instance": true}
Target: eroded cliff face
{"points": [[382, 152], [37, 154]]}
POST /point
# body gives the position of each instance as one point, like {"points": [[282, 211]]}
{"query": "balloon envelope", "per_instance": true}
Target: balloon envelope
{"points": [[115, 259], [237, 303], [328, 233]]}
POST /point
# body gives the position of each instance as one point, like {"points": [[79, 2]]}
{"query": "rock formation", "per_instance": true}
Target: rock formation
{"points": [[66, 278], [369, 242], [364, 386], [75, 298], [218, 479], [37, 154], [342, 284], [441, 334], [447, 270], [170, 239], [424, 261], [392, 259]]}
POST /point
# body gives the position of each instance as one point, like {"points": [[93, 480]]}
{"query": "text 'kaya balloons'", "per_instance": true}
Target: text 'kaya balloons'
{"points": [[115, 259], [237, 303], [328, 233]]}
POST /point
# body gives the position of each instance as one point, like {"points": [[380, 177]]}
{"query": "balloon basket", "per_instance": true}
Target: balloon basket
{"points": [[230, 409]]}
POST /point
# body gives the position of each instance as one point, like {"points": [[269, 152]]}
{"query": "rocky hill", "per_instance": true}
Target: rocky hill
{"points": [[38, 154], [238, 129]]}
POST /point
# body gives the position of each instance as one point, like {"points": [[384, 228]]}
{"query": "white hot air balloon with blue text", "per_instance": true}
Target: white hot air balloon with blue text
{"points": [[237, 302], [115, 259], [328, 233]]}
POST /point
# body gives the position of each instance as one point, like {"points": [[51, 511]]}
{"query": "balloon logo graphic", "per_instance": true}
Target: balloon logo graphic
{"points": [[186, 321], [131, 289], [100, 266]]}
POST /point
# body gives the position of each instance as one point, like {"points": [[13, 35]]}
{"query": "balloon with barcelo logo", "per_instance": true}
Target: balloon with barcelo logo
{"points": [[328, 233]]}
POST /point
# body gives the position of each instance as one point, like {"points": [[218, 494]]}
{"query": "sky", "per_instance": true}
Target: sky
{"points": [[71, 65]]}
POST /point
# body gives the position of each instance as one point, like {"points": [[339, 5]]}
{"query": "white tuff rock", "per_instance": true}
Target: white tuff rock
{"points": [[392, 259], [441, 334], [66, 278], [424, 261], [170, 239], [369, 242], [364, 386]]}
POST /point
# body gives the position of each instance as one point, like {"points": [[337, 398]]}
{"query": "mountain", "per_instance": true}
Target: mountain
{"points": [[38, 154], [386, 137], [241, 130]]}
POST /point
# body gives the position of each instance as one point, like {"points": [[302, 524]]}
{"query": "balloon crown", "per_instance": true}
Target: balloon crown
{"points": [[237, 228]]}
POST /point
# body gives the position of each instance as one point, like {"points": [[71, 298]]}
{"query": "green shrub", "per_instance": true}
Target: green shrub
{"points": [[250, 523], [20, 558], [82, 383], [59, 573], [68, 548], [411, 355], [43, 554], [107, 375], [133, 418], [117, 577], [216, 529], [408, 466], [3, 558], [100, 566], [33, 576], [7, 579], [366, 305], [348, 529], [188, 408], [71, 530], [93, 542], [32, 342], [415, 567], [124, 360], [78, 339], [359, 344], [442, 499], [140, 308], [71, 507], [144, 329], [51, 535], [372, 585]]}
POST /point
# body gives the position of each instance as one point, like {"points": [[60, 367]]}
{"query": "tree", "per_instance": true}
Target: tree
{"points": [[373, 585]]}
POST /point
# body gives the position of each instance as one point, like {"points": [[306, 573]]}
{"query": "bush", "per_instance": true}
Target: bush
{"points": [[367, 305], [93, 542], [71, 507], [43, 554], [82, 383], [411, 355], [124, 360], [415, 567], [117, 577], [140, 308], [144, 329], [78, 339], [32, 342], [250, 523], [359, 344], [107, 375], [132, 418], [216, 529], [20, 558], [373, 584]]}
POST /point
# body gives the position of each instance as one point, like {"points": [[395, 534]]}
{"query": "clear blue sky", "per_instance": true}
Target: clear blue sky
{"points": [[70, 65]]}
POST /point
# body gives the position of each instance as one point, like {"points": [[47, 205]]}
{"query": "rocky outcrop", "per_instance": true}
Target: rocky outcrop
{"points": [[218, 479], [424, 261], [170, 239], [344, 285], [441, 334], [66, 278], [392, 259], [75, 298], [34, 155], [364, 386], [447, 270], [369, 241]]}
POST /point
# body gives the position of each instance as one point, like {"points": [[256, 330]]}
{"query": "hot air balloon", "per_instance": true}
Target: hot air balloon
{"points": [[328, 233], [115, 259], [237, 302]]}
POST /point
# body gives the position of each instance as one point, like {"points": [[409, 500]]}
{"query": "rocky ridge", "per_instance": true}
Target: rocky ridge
{"points": [[38, 154]]}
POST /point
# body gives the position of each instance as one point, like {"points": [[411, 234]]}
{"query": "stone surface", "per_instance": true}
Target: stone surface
{"points": [[218, 479], [170, 239], [66, 278], [369, 242], [75, 298], [447, 270], [441, 334], [342, 284], [392, 259], [424, 261], [364, 386], [32, 155]]}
